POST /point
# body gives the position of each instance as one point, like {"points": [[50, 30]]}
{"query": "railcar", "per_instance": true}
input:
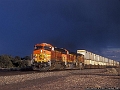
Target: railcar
{"points": [[92, 60], [76, 61]]}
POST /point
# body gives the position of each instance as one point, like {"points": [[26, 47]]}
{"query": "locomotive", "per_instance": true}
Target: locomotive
{"points": [[47, 57]]}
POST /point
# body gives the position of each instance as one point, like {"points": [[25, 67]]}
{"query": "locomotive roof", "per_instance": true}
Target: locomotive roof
{"points": [[43, 44]]}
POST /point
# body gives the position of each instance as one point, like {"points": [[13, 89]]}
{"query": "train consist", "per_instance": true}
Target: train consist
{"points": [[48, 57]]}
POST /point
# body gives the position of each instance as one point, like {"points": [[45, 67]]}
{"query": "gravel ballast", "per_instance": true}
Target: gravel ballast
{"points": [[62, 80]]}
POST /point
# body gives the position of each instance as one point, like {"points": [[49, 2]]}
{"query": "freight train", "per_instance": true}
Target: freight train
{"points": [[47, 57]]}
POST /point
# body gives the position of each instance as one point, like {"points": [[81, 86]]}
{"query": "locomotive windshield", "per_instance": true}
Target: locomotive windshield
{"points": [[47, 48], [38, 47]]}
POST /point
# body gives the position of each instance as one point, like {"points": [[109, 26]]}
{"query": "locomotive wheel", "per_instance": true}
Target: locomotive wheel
{"points": [[62, 66], [35, 68], [52, 67]]}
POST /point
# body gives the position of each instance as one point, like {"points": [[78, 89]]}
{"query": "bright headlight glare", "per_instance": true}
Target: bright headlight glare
{"points": [[41, 51]]}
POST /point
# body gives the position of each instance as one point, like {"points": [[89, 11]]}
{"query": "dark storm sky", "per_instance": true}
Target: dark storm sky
{"points": [[71, 24]]}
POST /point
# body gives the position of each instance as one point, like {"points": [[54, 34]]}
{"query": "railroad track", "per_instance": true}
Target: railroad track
{"points": [[83, 72]]}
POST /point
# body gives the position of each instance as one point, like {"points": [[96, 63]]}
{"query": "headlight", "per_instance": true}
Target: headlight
{"points": [[41, 51]]}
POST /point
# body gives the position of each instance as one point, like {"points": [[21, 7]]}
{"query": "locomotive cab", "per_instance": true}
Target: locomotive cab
{"points": [[42, 55]]}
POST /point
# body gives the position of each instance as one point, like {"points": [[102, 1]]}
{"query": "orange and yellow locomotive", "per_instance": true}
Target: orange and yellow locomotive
{"points": [[48, 57]]}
